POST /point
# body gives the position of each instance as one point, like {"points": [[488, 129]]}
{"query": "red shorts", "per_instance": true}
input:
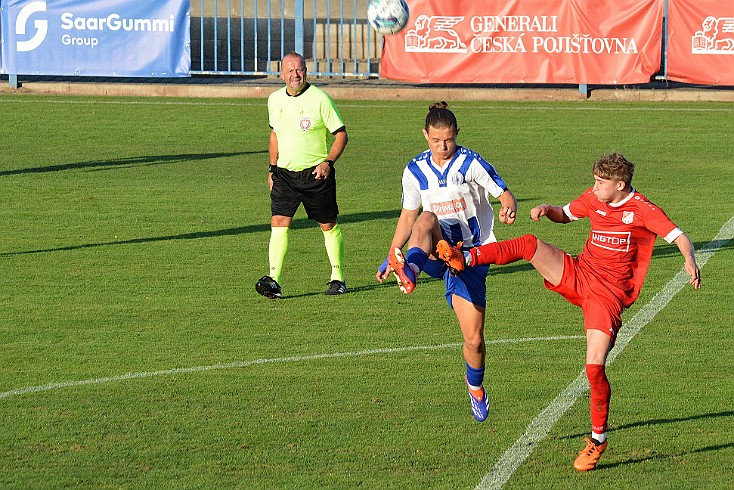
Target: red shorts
{"points": [[580, 286]]}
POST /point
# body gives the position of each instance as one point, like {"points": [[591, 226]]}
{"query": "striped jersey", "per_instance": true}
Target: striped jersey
{"points": [[457, 193]]}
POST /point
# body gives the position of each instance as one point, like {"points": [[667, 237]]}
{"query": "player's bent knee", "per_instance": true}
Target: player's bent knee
{"points": [[426, 222], [428, 217]]}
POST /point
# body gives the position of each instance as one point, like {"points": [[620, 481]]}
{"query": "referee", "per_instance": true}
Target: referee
{"points": [[302, 117]]}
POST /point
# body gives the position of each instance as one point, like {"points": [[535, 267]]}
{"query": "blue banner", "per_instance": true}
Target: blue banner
{"points": [[113, 38]]}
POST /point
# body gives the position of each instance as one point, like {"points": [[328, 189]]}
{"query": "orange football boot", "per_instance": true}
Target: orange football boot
{"points": [[453, 256], [402, 270], [589, 456]]}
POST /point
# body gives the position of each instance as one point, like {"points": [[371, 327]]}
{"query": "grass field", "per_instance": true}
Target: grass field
{"points": [[135, 352]]}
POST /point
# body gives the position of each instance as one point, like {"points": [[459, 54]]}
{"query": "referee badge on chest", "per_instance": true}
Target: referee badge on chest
{"points": [[305, 123], [628, 217], [457, 178]]}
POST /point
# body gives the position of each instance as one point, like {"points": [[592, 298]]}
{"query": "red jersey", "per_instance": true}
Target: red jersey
{"points": [[622, 237]]}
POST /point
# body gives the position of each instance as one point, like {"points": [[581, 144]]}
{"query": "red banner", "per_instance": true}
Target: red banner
{"points": [[526, 41], [701, 41]]}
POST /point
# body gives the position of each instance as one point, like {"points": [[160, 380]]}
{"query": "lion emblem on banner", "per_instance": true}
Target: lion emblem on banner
{"points": [[435, 33], [716, 36]]}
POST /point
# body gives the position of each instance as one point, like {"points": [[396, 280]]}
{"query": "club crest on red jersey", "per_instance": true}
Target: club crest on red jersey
{"points": [[628, 217]]}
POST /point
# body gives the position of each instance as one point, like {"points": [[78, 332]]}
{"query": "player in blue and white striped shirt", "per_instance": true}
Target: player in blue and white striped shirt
{"points": [[451, 185]]}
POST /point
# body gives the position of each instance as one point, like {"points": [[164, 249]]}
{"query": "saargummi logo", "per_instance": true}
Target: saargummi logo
{"points": [[21, 23], [79, 27]]}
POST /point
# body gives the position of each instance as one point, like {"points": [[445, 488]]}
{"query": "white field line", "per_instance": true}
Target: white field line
{"points": [[241, 364], [544, 422], [157, 102]]}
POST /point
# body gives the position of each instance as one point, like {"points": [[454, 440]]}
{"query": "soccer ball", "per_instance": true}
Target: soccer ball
{"points": [[388, 16]]}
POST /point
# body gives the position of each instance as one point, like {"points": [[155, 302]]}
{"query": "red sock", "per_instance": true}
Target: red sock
{"points": [[505, 251], [601, 394]]}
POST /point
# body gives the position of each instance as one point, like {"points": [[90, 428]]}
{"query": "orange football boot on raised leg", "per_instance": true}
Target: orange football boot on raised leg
{"points": [[453, 256], [403, 272]]}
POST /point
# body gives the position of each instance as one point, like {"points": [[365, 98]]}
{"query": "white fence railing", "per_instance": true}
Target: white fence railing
{"points": [[249, 37]]}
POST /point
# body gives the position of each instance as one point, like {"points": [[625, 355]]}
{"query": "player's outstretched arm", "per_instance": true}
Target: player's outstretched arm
{"points": [[553, 213], [686, 249]]}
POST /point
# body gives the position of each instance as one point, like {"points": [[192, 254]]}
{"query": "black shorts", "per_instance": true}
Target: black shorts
{"points": [[290, 189]]}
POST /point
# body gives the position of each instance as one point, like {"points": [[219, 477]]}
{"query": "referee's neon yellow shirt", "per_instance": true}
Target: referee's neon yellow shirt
{"points": [[302, 124]]}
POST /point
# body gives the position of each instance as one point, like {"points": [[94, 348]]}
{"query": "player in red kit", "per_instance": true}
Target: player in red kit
{"points": [[604, 279]]}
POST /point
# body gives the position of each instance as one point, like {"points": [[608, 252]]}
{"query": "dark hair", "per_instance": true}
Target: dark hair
{"points": [[614, 166], [439, 116]]}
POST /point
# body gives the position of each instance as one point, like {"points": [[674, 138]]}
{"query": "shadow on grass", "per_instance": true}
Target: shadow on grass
{"points": [[264, 227], [387, 284], [300, 223], [508, 269], [648, 423], [130, 161], [651, 424], [661, 456], [672, 249]]}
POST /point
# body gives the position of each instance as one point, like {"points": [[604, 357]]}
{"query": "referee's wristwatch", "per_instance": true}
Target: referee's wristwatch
{"points": [[330, 162], [272, 168]]}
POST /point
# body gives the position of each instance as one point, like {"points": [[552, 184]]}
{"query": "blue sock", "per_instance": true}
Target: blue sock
{"points": [[474, 376], [417, 257]]}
